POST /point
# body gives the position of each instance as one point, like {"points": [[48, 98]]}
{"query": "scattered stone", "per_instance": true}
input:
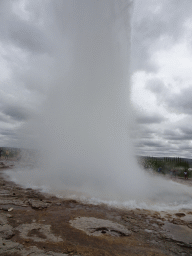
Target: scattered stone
{"points": [[180, 214], [148, 231], [136, 230], [153, 242], [3, 165], [7, 234], [71, 201], [184, 245], [177, 221], [10, 209], [5, 208], [189, 225], [38, 205], [96, 227]]}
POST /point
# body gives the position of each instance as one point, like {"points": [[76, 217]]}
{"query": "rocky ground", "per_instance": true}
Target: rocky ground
{"points": [[35, 224]]}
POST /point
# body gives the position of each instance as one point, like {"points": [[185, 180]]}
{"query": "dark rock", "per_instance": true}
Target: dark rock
{"points": [[7, 234], [5, 208], [179, 214]]}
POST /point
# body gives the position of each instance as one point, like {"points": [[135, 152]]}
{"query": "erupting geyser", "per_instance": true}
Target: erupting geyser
{"points": [[84, 125], [82, 129]]}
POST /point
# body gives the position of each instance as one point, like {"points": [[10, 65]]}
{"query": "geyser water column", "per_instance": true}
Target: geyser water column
{"points": [[84, 124]]}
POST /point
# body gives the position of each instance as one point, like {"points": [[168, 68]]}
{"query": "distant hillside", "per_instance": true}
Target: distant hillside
{"points": [[182, 159]]}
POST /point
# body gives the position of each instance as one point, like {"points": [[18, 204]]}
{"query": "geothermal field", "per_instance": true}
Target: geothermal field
{"points": [[77, 188]]}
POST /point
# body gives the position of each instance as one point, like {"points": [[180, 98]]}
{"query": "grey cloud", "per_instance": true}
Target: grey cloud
{"points": [[159, 140], [5, 119], [178, 136], [146, 133], [8, 133], [150, 119], [159, 150], [166, 142], [165, 148], [143, 37], [17, 113], [166, 25], [154, 144], [186, 130], [175, 134], [149, 27], [180, 102], [185, 147], [28, 37], [169, 132], [21, 33], [155, 85]]}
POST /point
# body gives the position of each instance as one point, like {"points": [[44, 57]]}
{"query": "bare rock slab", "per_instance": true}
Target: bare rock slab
{"points": [[96, 227], [38, 205]]}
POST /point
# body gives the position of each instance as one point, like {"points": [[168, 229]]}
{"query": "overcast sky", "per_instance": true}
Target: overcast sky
{"points": [[162, 76], [161, 68]]}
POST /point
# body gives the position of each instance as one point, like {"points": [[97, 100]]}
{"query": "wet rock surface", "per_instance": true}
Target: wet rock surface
{"points": [[96, 227], [32, 223], [36, 204]]}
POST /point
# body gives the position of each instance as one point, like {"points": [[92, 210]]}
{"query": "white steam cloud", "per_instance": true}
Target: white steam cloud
{"points": [[82, 129]]}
